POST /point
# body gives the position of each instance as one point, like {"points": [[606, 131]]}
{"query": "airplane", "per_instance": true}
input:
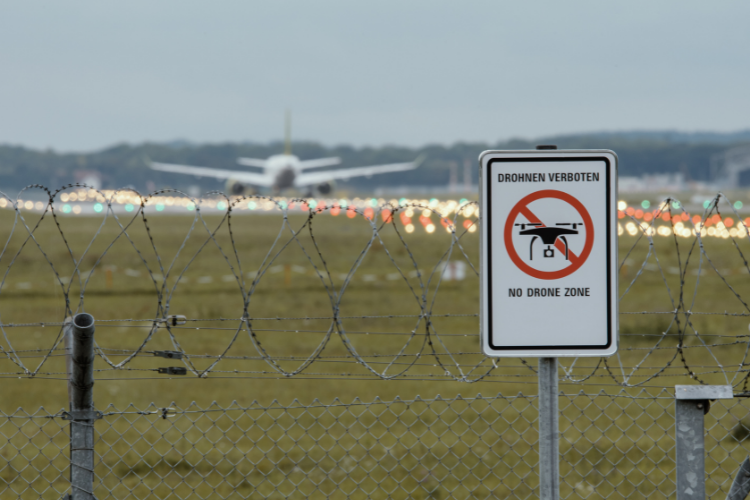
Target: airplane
{"points": [[285, 171]]}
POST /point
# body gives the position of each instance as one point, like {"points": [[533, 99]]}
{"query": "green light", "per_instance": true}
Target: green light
{"points": [[433, 202], [98, 207], [675, 204], [282, 204], [737, 205], [159, 207], [190, 206], [312, 203], [402, 201], [343, 203], [66, 209], [373, 202], [645, 204], [706, 203], [251, 205], [129, 207], [221, 205], [462, 201]]}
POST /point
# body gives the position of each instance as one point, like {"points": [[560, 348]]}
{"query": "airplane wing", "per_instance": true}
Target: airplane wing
{"points": [[320, 162], [252, 162], [307, 179], [217, 173]]}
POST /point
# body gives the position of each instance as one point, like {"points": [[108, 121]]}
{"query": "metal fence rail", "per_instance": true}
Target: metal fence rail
{"points": [[612, 446]]}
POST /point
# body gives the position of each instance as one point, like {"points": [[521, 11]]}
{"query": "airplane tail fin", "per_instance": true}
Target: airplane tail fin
{"points": [[288, 133]]}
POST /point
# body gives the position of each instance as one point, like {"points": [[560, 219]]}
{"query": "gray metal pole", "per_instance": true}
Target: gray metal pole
{"points": [[689, 452], [82, 413], [549, 431]]}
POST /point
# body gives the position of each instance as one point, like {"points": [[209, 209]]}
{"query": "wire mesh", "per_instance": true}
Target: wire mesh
{"points": [[612, 446]]}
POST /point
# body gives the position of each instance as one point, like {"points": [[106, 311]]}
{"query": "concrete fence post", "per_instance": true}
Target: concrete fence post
{"points": [[80, 341], [692, 402], [549, 430]]}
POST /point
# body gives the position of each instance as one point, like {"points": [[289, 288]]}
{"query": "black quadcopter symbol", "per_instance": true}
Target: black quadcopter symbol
{"points": [[549, 236]]}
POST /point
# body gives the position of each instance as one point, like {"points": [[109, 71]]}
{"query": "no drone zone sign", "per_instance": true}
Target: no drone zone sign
{"points": [[548, 253]]}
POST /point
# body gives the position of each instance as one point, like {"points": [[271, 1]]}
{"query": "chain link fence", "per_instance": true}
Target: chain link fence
{"points": [[611, 446]]}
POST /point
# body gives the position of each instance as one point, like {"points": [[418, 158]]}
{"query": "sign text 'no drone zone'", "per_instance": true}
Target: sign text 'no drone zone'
{"points": [[549, 253]]}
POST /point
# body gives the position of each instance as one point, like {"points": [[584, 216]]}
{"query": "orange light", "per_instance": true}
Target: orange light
{"points": [[696, 219], [305, 207], [747, 222], [620, 214], [729, 222], [335, 210], [716, 218], [647, 216], [369, 213], [665, 216], [405, 219], [676, 218], [638, 213], [386, 215], [630, 211], [685, 216], [350, 213], [444, 222], [467, 223]]}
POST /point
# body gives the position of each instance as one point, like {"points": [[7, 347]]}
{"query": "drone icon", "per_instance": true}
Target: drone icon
{"points": [[549, 236]]}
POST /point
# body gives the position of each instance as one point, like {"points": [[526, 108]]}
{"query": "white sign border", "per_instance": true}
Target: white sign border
{"points": [[613, 260]]}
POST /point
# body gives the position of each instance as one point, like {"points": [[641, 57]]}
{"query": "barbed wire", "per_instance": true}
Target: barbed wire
{"points": [[303, 226]]}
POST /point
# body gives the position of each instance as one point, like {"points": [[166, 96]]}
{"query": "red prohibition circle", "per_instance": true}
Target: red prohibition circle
{"points": [[521, 205]]}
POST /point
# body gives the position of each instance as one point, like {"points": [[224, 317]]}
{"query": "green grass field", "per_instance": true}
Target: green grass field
{"points": [[31, 293]]}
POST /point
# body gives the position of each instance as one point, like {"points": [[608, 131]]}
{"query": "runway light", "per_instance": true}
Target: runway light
{"points": [[335, 210], [66, 209], [351, 213], [190, 206], [343, 203], [462, 201], [729, 222], [675, 204], [402, 201], [620, 214], [433, 202], [645, 204], [409, 228], [638, 213], [312, 203], [369, 213], [29, 205], [430, 228], [129, 207], [386, 215], [621, 205], [76, 209], [251, 205], [98, 207], [648, 216], [64, 197], [706, 203], [159, 207], [373, 202], [221, 205], [696, 219], [737, 205]]}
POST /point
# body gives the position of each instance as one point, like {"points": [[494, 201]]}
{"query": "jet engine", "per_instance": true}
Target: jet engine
{"points": [[234, 188], [326, 188]]}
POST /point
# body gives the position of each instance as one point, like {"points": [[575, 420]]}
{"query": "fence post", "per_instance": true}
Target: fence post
{"points": [[80, 334], [549, 435], [691, 403]]}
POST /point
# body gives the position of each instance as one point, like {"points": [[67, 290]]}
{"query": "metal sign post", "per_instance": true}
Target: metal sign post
{"points": [[549, 269]]}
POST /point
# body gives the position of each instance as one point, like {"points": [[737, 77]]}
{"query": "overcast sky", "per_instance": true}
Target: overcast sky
{"points": [[81, 75]]}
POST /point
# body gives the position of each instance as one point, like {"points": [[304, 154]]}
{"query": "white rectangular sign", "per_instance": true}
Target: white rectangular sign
{"points": [[548, 253]]}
